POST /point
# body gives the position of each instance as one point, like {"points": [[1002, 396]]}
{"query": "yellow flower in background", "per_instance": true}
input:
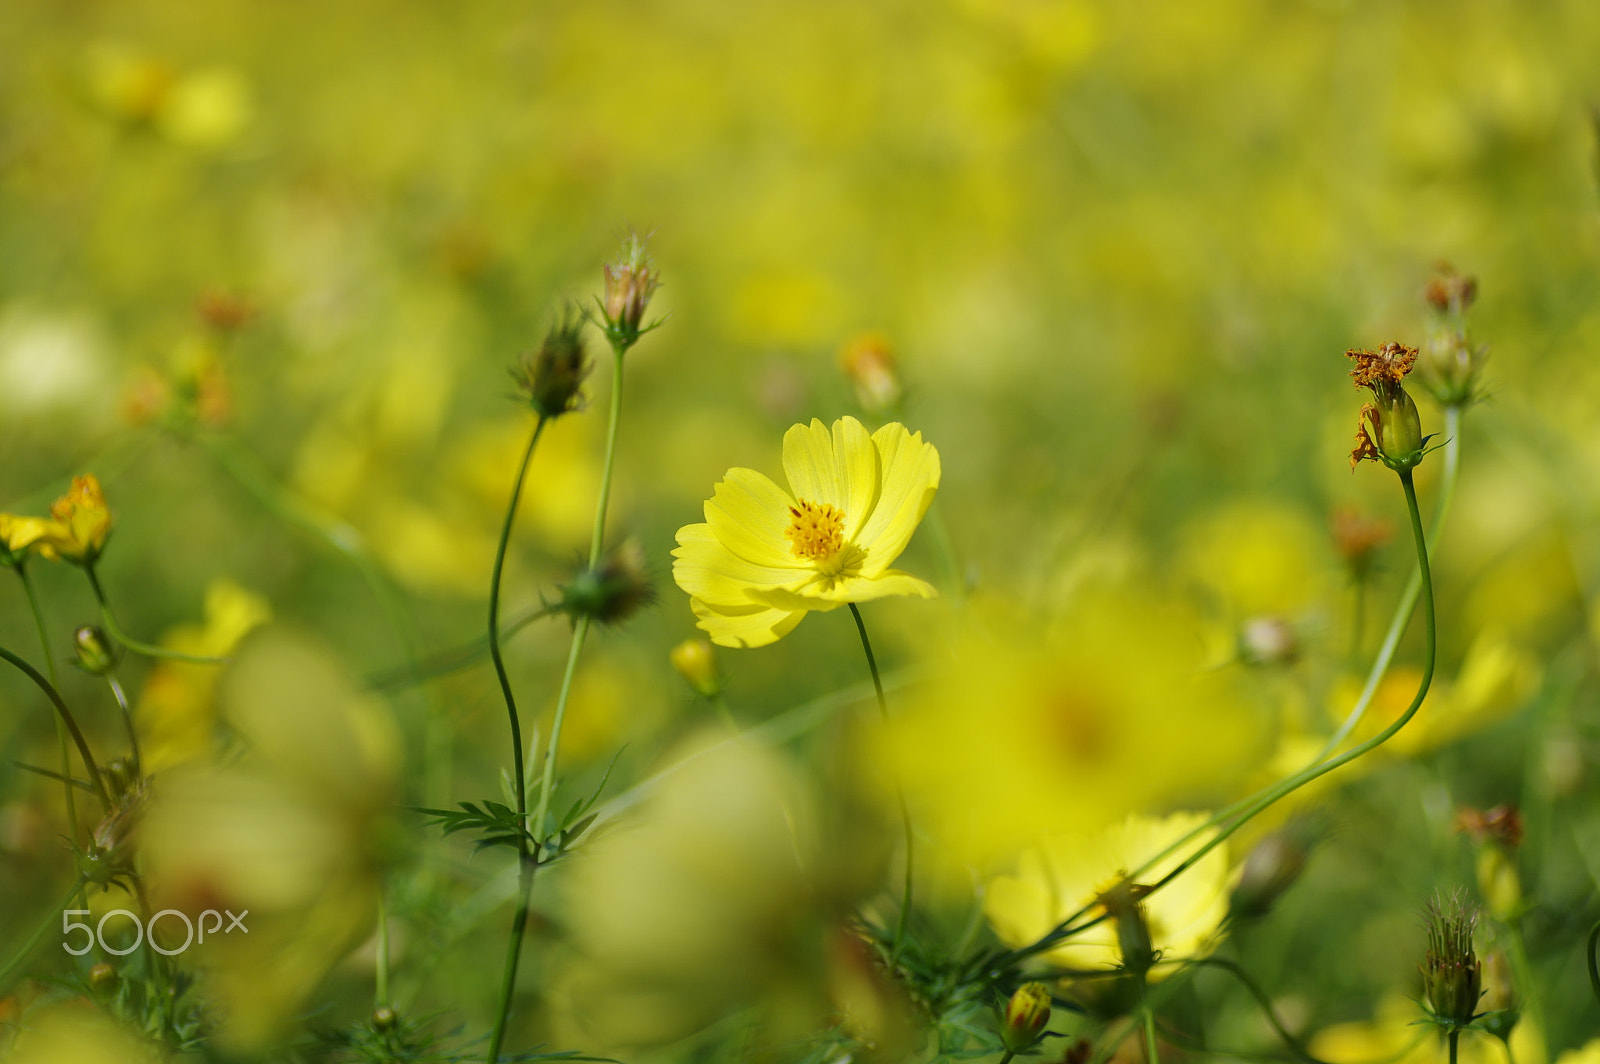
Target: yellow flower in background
{"points": [[1395, 1035], [1036, 728], [18, 533], [765, 556], [1066, 872], [80, 523]]}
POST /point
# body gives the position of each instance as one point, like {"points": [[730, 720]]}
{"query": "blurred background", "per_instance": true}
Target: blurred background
{"points": [[280, 251]]}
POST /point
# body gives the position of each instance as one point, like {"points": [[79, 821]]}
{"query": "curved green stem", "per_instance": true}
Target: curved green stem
{"points": [[66, 716], [63, 740], [519, 772], [52, 918], [1413, 590], [1594, 966], [149, 650], [905, 812], [1240, 813]]}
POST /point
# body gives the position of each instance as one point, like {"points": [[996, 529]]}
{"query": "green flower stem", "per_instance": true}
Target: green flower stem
{"points": [[1263, 1001], [66, 716], [1594, 967], [1007, 1058], [63, 740], [52, 919], [147, 649], [519, 772], [580, 631], [1240, 813], [381, 992], [520, 787], [1151, 1053], [1408, 598], [1455, 1035], [127, 719], [617, 351], [905, 813]]}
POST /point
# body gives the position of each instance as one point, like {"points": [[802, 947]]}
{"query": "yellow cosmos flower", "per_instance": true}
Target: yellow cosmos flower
{"points": [[80, 523], [18, 533], [766, 556]]}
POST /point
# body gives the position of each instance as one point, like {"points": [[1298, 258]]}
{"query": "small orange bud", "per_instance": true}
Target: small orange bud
{"points": [[870, 365], [630, 282], [81, 522]]}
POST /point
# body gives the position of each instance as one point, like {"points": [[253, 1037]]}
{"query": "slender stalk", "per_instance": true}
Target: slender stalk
{"points": [[1241, 812], [127, 720], [1408, 598], [580, 631], [63, 740], [66, 716], [52, 919], [1594, 968], [1007, 1058], [525, 863], [381, 992], [1151, 1054], [519, 772], [905, 812], [149, 650], [598, 539], [1455, 1035]]}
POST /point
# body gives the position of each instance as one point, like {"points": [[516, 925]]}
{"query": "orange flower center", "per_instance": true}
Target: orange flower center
{"points": [[816, 532]]}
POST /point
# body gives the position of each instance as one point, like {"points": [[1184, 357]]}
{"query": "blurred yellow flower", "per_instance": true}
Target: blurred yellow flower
{"points": [[80, 523], [1069, 871], [1105, 712], [18, 533], [1395, 1035], [766, 556]]}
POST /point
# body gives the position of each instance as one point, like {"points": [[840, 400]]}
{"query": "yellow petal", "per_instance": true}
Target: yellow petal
{"points": [[910, 476], [839, 468], [707, 570], [744, 626], [748, 513], [842, 589]]}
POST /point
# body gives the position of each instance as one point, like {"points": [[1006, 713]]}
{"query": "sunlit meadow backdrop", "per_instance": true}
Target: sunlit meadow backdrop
{"points": [[263, 269]]}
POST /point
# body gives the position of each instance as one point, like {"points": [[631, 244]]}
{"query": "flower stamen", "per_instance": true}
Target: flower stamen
{"points": [[817, 531]]}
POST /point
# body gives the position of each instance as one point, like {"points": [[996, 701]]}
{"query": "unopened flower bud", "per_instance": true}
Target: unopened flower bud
{"points": [[869, 363], [80, 523], [384, 1019], [96, 654], [1452, 976], [613, 590], [1027, 1015], [629, 284], [101, 974], [1450, 364], [552, 377], [696, 662]]}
